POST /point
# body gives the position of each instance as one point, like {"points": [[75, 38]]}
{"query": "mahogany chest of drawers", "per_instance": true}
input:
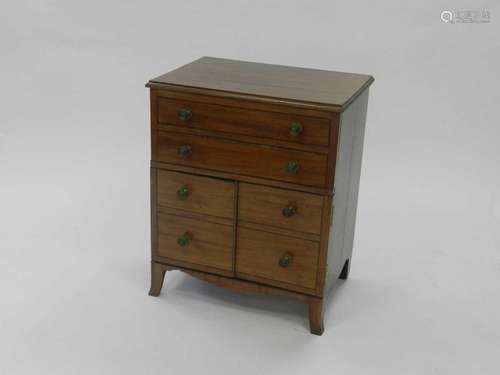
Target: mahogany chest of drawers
{"points": [[254, 176]]}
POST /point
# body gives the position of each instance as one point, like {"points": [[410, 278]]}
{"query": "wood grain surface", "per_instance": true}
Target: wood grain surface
{"points": [[243, 158], [251, 122], [336, 89], [211, 244], [209, 196], [258, 255], [264, 205]]}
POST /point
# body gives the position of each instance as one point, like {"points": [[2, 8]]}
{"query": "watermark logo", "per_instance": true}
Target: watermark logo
{"points": [[466, 16]]}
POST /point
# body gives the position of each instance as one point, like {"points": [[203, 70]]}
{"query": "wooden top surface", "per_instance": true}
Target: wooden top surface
{"points": [[281, 83]]}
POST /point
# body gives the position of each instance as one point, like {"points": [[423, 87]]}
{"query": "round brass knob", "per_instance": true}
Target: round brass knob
{"points": [[289, 210], [183, 193], [185, 114], [292, 167], [184, 240], [296, 128], [285, 260], [184, 151]]}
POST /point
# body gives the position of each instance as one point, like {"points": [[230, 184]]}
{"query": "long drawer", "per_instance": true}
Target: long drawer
{"points": [[304, 168], [227, 119]]}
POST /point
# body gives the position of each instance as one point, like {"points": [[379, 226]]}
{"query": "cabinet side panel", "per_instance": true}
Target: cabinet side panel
{"points": [[347, 175], [154, 218], [356, 159], [153, 98]]}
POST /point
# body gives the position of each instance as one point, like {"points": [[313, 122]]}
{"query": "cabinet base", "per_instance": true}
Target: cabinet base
{"points": [[315, 304]]}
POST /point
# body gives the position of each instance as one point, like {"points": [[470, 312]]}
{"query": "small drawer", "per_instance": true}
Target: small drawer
{"points": [[202, 195], [195, 243], [305, 168], [276, 260], [285, 209], [232, 120]]}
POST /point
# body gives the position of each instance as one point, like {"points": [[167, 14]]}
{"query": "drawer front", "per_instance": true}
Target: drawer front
{"points": [[202, 195], [219, 118], [305, 168], [276, 260], [286, 209], [198, 243]]}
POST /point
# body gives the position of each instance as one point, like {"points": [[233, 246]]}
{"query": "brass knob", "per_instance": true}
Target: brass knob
{"points": [[286, 260], [185, 239], [289, 210], [292, 167], [296, 128], [185, 114], [183, 193], [184, 151]]}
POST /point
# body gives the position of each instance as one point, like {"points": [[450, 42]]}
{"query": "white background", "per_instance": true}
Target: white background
{"points": [[424, 292]]}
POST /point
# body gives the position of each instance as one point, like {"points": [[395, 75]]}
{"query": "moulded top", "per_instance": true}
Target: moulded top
{"points": [[276, 82]]}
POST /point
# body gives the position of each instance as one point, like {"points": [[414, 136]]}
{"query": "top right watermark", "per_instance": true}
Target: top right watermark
{"points": [[466, 16]]}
